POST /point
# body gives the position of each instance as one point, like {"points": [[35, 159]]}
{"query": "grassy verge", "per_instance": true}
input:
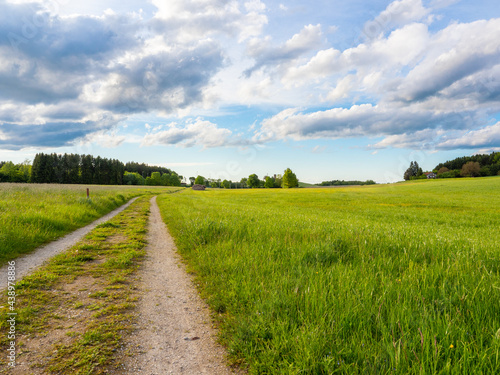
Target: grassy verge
{"points": [[72, 312], [401, 279], [33, 214]]}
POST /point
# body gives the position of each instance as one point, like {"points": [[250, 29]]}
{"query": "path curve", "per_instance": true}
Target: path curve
{"points": [[26, 264], [174, 334]]}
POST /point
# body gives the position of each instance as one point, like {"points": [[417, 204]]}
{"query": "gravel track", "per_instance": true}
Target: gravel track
{"points": [[26, 264], [174, 334]]}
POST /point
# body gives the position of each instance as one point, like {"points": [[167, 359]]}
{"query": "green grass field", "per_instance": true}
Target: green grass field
{"points": [[394, 279], [33, 214]]}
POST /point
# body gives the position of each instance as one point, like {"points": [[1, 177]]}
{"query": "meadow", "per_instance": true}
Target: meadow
{"points": [[389, 279], [33, 214]]}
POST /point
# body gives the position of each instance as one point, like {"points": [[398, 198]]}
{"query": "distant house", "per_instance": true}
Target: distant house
{"points": [[430, 174], [198, 187]]}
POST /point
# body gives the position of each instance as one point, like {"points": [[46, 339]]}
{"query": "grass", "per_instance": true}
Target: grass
{"points": [[73, 311], [33, 214], [396, 279]]}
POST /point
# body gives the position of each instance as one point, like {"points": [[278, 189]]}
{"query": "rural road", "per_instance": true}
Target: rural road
{"points": [[28, 263], [174, 334]]}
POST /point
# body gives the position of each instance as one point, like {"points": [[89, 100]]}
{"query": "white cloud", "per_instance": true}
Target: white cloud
{"points": [[403, 47], [105, 139], [454, 53], [194, 133], [398, 13], [191, 20], [359, 121], [267, 55], [488, 136]]}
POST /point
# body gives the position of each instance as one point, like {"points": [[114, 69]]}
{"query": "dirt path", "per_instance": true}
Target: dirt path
{"points": [[27, 263], [174, 334]]}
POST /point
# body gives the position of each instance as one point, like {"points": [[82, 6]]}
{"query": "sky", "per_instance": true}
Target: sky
{"points": [[225, 88]]}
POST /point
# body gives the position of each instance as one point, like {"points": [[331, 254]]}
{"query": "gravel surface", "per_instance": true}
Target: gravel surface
{"points": [[174, 334], [27, 263]]}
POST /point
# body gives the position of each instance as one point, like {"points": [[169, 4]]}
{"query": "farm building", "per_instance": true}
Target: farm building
{"points": [[198, 187], [430, 175]]}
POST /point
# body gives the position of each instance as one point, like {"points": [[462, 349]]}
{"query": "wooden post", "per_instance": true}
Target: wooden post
{"points": [[87, 193]]}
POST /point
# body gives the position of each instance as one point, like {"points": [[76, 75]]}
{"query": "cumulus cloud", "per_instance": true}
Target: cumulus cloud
{"points": [[454, 53], [196, 19], [194, 133], [415, 85], [50, 134], [397, 14], [69, 78], [267, 55], [358, 121], [57, 71], [488, 136]]}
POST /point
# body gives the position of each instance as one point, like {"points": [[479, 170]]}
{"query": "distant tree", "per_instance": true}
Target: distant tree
{"points": [[442, 170], [485, 171], [226, 184], [470, 169], [87, 169], [200, 180], [156, 178], [253, 181], [278, 181], [165, 179], [289, 179], [243, 182], [269, 184], [25, 170], [11, 172], [174, 179], [191, 180], [413, 171], [133, 178]]}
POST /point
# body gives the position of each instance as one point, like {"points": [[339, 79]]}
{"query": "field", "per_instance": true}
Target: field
{"points": [[33, 214], [396, 279]]}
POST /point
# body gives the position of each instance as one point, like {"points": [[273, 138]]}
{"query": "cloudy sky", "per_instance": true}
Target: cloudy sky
{"points": [[224, 88]]}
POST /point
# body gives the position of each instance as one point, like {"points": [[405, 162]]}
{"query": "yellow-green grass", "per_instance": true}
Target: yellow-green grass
{"points": [[394, 279], [33, 214]]}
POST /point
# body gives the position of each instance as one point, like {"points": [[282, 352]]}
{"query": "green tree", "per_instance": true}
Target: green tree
{"points": [[156, 178], [87, 169], [278, 181], [413, 171], [253, 181], [25, 170], [174, 180], [289, 179], [11, 172], [269, 184], [226, 184], [200, 180]]}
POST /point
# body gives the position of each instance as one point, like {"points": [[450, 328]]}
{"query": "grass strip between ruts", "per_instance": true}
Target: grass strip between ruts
{"points": [[72, 312]]}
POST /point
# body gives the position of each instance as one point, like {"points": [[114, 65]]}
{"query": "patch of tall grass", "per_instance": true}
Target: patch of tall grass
{"points": [[33, 214], [399, 279]]}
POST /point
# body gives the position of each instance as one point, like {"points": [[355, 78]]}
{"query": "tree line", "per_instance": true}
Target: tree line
{"points": [[286, 181], [346, 183], [481, 165], [86, 169]]}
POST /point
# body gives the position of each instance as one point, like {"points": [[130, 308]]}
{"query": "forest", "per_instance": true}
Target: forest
{"points": [[86, 169], [480, 165]]}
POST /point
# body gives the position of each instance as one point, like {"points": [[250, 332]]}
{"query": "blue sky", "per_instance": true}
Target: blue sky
{"points": [[226, 88]]}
